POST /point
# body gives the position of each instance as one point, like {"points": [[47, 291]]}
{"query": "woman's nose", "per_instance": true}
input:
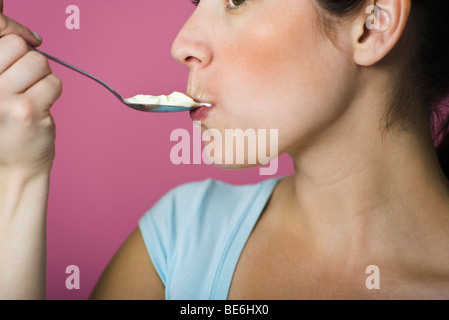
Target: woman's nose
{"points": [[191, 46]]}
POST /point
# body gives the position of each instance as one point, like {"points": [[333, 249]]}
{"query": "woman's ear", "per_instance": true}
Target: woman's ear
{"points": [[378, 29]]}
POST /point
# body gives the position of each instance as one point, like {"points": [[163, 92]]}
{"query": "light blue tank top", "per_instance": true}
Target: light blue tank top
{"points": [[196, 232]]}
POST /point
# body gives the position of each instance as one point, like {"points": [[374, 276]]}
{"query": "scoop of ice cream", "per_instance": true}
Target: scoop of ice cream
{"points": [[174, 99]]}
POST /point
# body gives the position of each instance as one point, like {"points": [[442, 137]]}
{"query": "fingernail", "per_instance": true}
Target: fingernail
{"points": [[37, 36]]}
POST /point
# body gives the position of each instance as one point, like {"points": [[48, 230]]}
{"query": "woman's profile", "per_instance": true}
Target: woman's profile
{"points": [[356, 92]]}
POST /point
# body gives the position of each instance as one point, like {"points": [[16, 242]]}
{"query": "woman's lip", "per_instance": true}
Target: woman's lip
{"points": [[200, 113]]}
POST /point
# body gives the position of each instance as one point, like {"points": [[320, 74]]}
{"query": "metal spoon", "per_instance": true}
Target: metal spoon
{"points": [[140, 107]]}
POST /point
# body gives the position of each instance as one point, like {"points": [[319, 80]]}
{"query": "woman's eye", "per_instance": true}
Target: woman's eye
{"points": [[235, 3], [230, 3]]}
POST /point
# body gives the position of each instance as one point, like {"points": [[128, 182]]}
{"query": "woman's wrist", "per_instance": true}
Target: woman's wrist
{"points": [[23, 210], [19, 186]]}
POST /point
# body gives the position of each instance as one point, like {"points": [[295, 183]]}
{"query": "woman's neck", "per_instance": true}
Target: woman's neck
{"points": [[354, 185]]}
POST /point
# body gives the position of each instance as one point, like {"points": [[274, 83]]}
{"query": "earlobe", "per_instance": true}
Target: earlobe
{"points": [[383, 25]]}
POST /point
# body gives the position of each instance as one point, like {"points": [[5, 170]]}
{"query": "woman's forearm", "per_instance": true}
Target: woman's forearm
{"points": [[28, 89], [23, 209]]}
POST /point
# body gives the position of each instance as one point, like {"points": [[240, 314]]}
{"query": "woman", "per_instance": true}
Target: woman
{"points": [[350, 88]]}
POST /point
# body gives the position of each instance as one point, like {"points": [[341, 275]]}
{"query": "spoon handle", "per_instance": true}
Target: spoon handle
{"points": [[65, 64]]}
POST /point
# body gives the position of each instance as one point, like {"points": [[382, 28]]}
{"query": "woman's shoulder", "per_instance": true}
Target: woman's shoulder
{"points": [[197, 221]]}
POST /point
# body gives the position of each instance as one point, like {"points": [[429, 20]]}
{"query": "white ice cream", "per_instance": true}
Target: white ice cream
{"points": [[174, 99]]}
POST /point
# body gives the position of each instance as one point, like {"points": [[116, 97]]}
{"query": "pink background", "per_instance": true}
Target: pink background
{"points": [[112, 163]]}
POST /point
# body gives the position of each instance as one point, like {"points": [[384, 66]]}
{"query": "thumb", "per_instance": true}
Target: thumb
{"points": [[8, 26]]}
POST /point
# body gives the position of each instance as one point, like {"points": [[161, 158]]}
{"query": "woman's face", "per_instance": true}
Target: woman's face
{"points": [[265, 64]]}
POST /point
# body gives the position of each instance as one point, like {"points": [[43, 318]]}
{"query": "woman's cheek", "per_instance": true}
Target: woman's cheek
{"points": [[280, 75]]}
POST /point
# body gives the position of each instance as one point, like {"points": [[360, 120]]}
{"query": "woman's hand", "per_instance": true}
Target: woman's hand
{"points": [[27, 91]]}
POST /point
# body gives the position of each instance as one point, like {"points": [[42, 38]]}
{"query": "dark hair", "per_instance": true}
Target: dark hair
{"points": [[426, 41]]}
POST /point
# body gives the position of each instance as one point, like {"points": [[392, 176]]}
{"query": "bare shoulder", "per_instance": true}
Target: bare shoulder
{"points": [[130, 274]]}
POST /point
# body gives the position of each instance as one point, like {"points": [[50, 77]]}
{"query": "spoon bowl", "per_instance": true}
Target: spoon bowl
{"points": [[157, 107]]}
